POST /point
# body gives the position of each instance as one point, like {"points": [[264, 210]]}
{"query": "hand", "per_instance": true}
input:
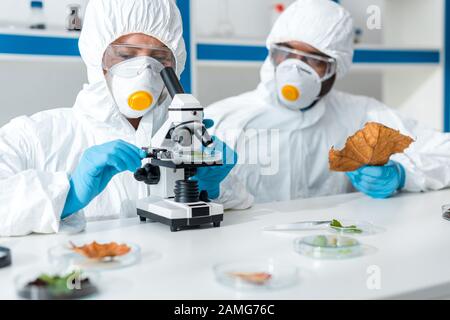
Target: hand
{"points": [[97, 166], [209, 178], [379, 182]]}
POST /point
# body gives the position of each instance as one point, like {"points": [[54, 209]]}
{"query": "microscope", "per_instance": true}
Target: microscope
{"points": [[177, 150]]}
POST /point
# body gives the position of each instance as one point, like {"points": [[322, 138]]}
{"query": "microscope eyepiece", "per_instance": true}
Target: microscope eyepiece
{"points": [[171, 81]]}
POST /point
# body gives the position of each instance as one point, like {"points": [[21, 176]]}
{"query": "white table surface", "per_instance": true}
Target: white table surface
{"points": [[412, 254]]}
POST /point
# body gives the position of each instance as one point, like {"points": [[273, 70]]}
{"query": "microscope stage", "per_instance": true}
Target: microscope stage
{"points": [[192, 165]]}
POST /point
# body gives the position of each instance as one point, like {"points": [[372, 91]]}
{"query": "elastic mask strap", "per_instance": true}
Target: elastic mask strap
{"points": [[310, 107]]}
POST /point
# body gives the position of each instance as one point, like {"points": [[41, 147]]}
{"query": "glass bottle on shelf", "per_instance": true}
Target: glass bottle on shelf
{"points": [[358, 33], [74, 20], [37, 17]]}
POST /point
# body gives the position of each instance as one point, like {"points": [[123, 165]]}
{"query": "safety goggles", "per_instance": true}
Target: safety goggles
{"points": [[118, 53], [324, 66]]}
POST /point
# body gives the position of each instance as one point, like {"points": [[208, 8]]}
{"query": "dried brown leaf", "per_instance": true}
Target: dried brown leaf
{"points": [[96, 250], [258, 278], [373, 146]]}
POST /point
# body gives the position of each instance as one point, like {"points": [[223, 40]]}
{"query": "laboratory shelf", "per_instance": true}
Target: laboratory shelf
{"points": [[32, 44], [50, 42], [6, 57], [371, 55], [62, 43], [228, 64], [232, 41], [400, 56], [229, 52], [51, 31]]}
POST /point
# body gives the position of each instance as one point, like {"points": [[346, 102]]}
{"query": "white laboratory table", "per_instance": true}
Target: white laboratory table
{"points": [[412, 254]]}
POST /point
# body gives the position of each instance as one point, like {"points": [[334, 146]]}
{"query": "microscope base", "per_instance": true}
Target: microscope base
{"points": [[178, 224], [178, 215]]}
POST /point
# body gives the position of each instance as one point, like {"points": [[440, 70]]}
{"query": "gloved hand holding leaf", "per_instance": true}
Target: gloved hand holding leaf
{"points": [[371, 146]]}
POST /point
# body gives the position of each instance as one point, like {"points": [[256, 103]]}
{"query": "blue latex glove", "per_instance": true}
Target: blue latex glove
{"points": [[208, 123], [97, 166], [379, 182], [209, 178]]}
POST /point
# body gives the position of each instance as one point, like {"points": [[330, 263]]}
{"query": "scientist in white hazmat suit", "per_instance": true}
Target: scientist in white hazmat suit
{"points": [[295, 117], [63, 166]]}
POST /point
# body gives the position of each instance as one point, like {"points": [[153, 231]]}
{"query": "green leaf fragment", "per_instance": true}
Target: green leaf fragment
{"points": [[47, 278], [337, 225], [60, 285]]}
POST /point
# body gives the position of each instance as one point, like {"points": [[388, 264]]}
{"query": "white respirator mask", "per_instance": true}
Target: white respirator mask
{"points": [[136, 85], [299, 76], [298, 85]]}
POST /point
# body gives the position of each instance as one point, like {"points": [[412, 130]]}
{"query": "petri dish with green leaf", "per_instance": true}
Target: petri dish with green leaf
{"points": [[328, 247]]}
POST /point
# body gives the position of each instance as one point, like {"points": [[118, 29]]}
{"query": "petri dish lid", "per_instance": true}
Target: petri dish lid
{"points": [[354, 228], [328, 247], [73, 284], [262, 274], [64, 257]]}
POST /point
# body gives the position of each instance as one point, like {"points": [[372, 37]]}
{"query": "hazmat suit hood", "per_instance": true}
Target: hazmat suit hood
{"points": [[106, 21], [323, 24]]}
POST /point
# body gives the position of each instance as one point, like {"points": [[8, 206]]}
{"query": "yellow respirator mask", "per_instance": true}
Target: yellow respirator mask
{"points": [[299, 76], [136, 85], [298, 85]]}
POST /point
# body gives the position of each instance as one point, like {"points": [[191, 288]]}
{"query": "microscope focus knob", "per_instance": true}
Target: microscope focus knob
{"points": [[149, 174], [182, 136], [140, 175]]}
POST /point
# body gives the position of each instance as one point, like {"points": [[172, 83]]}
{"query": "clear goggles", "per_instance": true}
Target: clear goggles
{"points": [[324, 66], [118, 53]]}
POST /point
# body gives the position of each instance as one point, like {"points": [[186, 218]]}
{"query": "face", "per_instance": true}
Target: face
{"points": [[320, 66], [133, 79], [135, 45]]}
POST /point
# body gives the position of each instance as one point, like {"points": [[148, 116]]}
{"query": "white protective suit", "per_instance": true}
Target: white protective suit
{"points": [[298, 166], [38, 153]]}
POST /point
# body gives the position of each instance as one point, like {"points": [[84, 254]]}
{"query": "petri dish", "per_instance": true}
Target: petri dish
{"points": [[64, 257], [354, 228], [328, 247], [68, 285], [256, 274]]}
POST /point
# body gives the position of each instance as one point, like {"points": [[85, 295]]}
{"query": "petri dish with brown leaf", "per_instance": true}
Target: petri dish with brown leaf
{"points": [[95, 255], [260, 274]]}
